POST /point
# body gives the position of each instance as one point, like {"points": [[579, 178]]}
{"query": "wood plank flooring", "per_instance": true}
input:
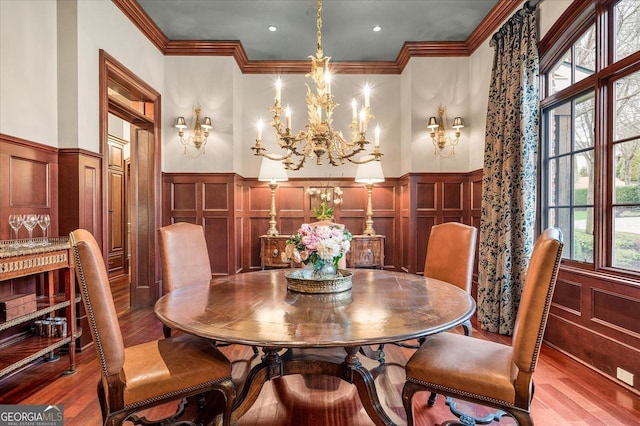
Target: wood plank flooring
{"points": [[567, 393]]}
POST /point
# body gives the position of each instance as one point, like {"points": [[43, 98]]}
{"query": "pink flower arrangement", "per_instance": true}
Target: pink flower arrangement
{"points": [[318, 245]]}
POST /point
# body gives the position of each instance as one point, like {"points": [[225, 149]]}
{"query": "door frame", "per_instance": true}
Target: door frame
{"points": [[135, 90]]}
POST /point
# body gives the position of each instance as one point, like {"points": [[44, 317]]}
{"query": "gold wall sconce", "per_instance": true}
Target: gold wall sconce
{"points": [[194, 145], [443, 144], [273, 172], [369, 173]]}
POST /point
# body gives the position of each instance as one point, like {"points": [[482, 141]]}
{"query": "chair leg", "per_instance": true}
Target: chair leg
{"points": [[466, 326], [166, 331], [432, 399], [408, 391]]}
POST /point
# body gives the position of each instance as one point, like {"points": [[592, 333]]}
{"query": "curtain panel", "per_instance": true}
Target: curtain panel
{"points": [[508, 209]]}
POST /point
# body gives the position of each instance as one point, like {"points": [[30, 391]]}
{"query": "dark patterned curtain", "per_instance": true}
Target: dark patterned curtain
{"points": [[509, 175]]}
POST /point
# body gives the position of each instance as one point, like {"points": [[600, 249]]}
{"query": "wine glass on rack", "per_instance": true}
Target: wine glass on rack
{"points": [[30, 221], [15, 222], [44, 220]]}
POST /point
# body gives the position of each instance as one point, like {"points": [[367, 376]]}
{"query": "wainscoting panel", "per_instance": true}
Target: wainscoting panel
{"points": [[29, 179], [567, 296], [80, 192], [183, 196], [594, 319], [452, 196], [207, 200], [425, 195], [625, 315], [216, 197], [216, 230]]}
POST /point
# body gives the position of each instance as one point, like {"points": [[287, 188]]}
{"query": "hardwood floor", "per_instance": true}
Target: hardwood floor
{"points": [[567, 393]]}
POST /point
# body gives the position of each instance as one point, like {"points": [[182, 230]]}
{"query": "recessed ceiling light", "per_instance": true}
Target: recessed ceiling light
{"points": [[377, 28], [272, 28]]}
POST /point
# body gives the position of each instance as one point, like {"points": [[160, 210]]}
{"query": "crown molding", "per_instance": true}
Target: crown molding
{"points": [[140, 19], [411, 49], [491, 23]]}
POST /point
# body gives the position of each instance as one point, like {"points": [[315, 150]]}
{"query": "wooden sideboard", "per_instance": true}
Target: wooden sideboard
{"points": [[366, 252], [23, 345], [271, 248]]}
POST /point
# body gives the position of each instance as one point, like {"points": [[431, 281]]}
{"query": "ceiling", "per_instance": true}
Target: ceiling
{"points": [[347, 25]]}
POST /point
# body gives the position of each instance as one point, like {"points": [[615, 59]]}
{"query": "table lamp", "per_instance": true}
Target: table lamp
{"points": [[369, 173], [273, 172]]}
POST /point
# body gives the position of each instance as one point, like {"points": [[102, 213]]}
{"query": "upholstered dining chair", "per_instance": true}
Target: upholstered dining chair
{"points": [[490, 373], [149, 374], [451, 253], [185, 260], [184, 257], [450, 257]]}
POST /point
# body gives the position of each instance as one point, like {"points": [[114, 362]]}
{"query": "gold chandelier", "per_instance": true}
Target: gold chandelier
{"points": [[319, 138]]}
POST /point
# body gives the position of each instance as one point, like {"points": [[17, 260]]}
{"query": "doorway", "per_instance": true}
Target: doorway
{"points": [[124, 96]]}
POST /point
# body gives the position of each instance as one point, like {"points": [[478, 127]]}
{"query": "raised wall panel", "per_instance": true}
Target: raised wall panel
{"points": [[567, 295], [476, 194], [354, 199], [183, 196], [32, 174], [259, 197], [425, 196], [424, 225], [383, 198], [452, 196], [216, 197], [216, 230], [290, 199], [616, 310], [28, 182]]}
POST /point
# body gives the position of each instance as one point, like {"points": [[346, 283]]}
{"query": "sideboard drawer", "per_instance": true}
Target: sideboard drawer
{"points": [[366, 252], [271, 249]]}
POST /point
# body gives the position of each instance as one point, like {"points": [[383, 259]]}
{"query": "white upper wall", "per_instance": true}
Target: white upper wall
{"points": [[28, 77], [101, 25], [49, 92], [207, 81], [438, 82]]}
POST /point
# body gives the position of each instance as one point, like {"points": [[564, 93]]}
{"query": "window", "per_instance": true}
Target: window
{"points": [[626, 172], [590, 156], [570, 176]]}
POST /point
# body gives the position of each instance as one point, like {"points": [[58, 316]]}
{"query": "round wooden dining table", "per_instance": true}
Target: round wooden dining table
{"points": [[256, 309]]}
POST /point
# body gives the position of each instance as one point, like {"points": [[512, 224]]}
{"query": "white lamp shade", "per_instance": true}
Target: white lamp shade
{"points": [[272, 171], [370, 172]]}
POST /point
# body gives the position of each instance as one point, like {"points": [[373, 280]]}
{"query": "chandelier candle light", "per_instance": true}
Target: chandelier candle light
{"points": [[319, 138]]}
